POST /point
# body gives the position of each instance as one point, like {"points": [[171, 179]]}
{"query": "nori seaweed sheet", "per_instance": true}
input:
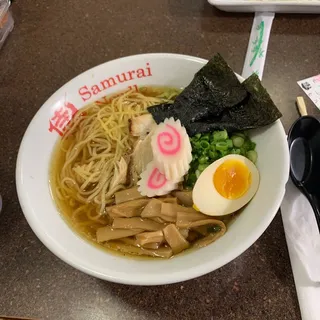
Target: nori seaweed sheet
{"points": [[258, 110], [216, 100], [213, 88]]}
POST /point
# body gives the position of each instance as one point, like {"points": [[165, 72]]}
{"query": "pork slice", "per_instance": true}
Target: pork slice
{"points": [[140, 157]]}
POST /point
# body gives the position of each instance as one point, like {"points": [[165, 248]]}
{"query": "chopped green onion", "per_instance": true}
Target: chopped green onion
{"points": [[235, 151], [203, 160], [192, 178], [205, 152], [252, 155], [243, 151], [229, 143], [253, 145], [197, 145], [209, 147], [213, 155], [202, 166], [220, 135], [237, 141], [249, 145], [221, 146], [239, 134], [224, 153], [194, 164], [205, 138], [193, 144], [246, 145], [204, 144]]}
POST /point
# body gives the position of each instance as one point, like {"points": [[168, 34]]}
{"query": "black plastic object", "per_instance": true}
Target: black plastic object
{"points": [[304, 146]]}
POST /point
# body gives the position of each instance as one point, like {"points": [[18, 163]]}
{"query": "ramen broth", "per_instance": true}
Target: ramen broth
{"points": [[86, 210]]}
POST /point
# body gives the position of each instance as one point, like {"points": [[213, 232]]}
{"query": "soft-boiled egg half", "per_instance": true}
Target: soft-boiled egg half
{"points": [[226, 185]]}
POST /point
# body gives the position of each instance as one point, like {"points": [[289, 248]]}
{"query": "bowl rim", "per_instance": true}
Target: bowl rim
{"points": [[175, 277]]}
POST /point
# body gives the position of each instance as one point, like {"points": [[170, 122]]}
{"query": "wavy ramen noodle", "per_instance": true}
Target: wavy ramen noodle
{"points": [[94, 187]]}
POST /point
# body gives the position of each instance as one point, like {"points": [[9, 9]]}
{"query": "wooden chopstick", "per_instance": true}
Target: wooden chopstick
{"points": [[302, 108]]}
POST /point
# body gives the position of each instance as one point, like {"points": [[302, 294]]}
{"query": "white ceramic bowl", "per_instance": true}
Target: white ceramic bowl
{"points": [[44, 219]]}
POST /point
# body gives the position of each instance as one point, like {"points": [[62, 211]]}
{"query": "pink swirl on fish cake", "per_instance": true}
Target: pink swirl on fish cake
{"points": [[169, 142], [156, 179]]}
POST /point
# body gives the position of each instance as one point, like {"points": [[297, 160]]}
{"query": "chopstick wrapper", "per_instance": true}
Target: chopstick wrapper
{"points": [[302, 237], [302, 231], [258, 44]]}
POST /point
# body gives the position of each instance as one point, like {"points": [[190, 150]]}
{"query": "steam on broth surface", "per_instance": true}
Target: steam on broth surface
{"points": [[93, 177]]}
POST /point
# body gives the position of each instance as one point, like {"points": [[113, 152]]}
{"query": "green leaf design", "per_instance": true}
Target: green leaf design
{"points": [[257, 51], [261, 53]]}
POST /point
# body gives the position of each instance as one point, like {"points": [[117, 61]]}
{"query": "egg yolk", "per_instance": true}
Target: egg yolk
{"points": [[232, 179]]}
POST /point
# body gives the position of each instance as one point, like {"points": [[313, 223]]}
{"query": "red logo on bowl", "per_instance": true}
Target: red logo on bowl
{"points": [[62, 117]]}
